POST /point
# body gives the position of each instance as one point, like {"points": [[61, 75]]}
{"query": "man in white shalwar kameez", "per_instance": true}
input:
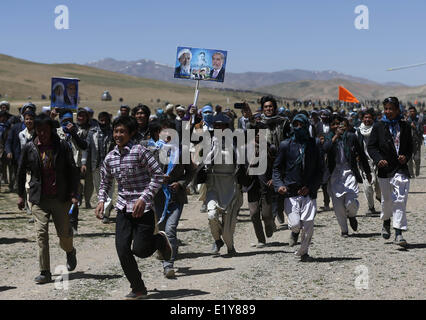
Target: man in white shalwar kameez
{"points": [[390, 146], [363, 134], [343, 149], [223, 194]]}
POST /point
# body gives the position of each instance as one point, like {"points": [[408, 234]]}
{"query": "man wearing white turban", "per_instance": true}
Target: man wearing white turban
{"points": [[184, 57]]}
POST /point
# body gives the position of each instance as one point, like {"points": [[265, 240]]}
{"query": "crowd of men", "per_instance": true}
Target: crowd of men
{"points": [[55, 164]]}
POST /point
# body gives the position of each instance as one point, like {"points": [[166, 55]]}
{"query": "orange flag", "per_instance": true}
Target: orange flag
{"points": [[345, 95]]}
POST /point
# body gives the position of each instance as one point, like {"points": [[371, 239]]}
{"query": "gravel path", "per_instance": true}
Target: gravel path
{"points": [[363, 266]]}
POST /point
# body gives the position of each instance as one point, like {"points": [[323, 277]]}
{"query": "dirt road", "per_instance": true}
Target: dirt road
{"points": [[363, 266]]}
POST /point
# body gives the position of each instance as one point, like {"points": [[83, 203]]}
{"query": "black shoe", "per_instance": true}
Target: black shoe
{"points": [[217, 245], [137, 295], [165, 248], [105, 220], [44, 277], [386, 232], [269, 230], [400, 241], [72, 260], [232, 252], [306, 258], [88, 205], [345, 235], [354, 223], [293, 239]]}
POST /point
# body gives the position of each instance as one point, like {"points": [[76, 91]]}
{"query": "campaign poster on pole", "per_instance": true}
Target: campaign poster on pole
{"points": [[200, 64], [64, 93]]}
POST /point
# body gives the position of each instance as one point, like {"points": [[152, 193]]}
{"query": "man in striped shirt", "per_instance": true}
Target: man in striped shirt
{"points": [[139, 177]]}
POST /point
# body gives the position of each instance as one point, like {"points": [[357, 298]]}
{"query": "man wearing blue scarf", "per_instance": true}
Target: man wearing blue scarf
{"points": [[391, 147], [169, 201], [207, 113], [297, 175]]}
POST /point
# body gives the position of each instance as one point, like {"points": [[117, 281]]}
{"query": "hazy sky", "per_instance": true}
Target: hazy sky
{"points": [[258, 35]]}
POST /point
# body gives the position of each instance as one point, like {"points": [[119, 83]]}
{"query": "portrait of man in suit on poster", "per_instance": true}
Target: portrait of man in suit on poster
{"points": [[218, 71]]}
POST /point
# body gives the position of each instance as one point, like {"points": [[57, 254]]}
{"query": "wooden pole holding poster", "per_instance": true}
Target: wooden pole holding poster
{"points": [[196, 92]]}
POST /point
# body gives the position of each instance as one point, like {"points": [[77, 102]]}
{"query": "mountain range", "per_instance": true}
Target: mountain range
{"points": [[241, 81]]}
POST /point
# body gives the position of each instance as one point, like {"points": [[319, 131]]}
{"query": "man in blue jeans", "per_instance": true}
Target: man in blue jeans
{"points": [[177, 178], [139, 177]]}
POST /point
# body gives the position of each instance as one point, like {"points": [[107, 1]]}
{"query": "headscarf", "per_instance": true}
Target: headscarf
{"points": [[392, 123], [207, 118], [301, 136]]}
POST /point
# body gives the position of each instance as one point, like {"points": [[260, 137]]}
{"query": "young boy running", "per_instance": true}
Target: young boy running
{"points": [[139, 177]]}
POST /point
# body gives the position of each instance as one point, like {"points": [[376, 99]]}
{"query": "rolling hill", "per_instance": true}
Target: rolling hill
{"points": [[22, 80]]}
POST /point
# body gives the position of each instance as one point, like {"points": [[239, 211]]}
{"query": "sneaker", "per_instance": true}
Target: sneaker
{"points": [[292, 241], [105, 220], [72, 260], [400, 241], [137, 295], [386, 232], [345, 235], [217, 245], [354, 223], [31, 220], [260, 245], [203, 208], [166, 248], [169, 273], [44, 277]]}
